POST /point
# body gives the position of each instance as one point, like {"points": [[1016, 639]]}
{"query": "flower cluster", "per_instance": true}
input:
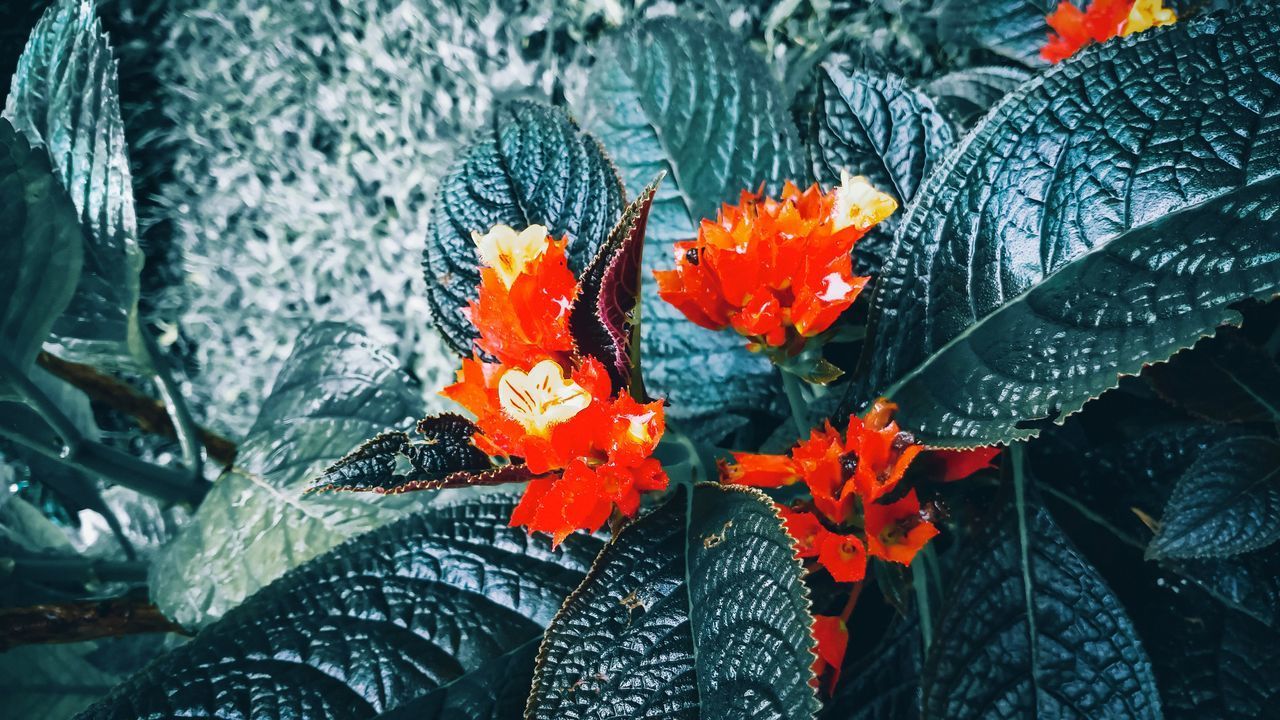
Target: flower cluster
{"points": [[777, 271], [854, 511], [1104, 19], [856, 508], [588, 444]]}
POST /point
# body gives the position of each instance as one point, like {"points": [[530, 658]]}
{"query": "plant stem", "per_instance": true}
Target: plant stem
{"points": [[149, 414], [795, 398], [1024, 543], [176, 405], [42, 404], [920, 581], [1094, 517], [79, 621], [73, 568], [110, 464]]}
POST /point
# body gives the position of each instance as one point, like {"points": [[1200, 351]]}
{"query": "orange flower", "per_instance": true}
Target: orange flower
{"points": [[777, 271], [543, 404], [844, 556], [897, 531], [1103, 20], [846, 476], [522, 313], [832, 636]]}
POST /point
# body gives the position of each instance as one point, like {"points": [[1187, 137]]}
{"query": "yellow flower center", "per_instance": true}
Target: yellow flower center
{"points": [[541, 398], [638, 428], [1147, 14], [860, 204], [509, 252]]}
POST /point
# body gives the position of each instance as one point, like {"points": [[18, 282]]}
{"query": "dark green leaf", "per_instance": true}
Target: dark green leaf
{"points": [[1226, 504], [878, 126], [1210, 662], [387, 617], [530, 165], [40, 249], [689, 98], [1103, 218], [966, 95], [336, 390], [64, 96], [1249, 583], [1225, 378], [1031, 630], [391, 462], [696, 610], [1015, 29], [497, 691]]}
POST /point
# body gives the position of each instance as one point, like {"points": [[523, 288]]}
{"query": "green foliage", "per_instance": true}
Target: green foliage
{"points": [[1025, 282], [336, 390], [1030, 629], [697, 610], [683, 96], [1225, 504], [41, 257], [64, 97], [420, 604]]}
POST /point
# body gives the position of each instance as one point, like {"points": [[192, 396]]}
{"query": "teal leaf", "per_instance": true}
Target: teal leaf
{"points": [[696, 610], [40, 250], [335, 390], [416, 607], [64, 96], [688, 98], [1107, 215]]}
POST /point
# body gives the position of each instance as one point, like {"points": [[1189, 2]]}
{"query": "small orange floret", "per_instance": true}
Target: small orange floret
{"points": [[960, 464], [1105, 19], [897, 531], [776, 270]]}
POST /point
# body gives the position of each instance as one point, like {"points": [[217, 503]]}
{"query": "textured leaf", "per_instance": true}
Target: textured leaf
{"points": [[64, 96], [1225, 378], [878, 126], [687, 97], [1249, 583], [445, 458], [605, 315], [1211, 662], [966, 95], [380, 620], [40, 249], [696, 610], [335, 390], [496, 691], [886, 686], [530, 165], [1227, 503], [1015, 29], [1106, 216], [1031, 630]]}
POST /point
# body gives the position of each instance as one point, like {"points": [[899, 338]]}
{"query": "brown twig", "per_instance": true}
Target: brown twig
{"points": [[146, 411], [78, 621]]}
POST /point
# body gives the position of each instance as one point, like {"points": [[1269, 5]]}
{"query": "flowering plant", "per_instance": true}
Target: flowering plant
{"points": [[957, 398]]}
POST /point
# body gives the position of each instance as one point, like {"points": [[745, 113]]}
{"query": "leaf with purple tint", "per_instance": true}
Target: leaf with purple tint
{"points": [[605, 316]]}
